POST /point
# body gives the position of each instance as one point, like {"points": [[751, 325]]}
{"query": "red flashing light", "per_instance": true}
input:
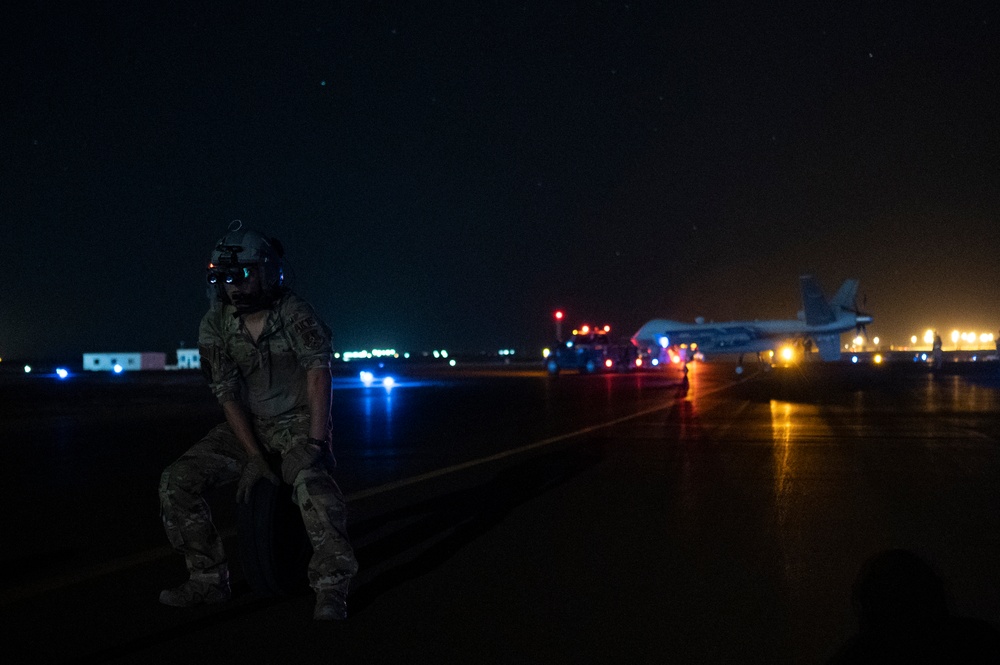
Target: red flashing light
{"points": [[559, 315]]}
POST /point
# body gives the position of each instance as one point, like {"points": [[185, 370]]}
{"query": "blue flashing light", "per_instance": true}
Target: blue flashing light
{"points": [[923, 356], [388, 382], [664, 341], [656, 361], [367, 378], [854, 359], [61, 372], [118, 369]]}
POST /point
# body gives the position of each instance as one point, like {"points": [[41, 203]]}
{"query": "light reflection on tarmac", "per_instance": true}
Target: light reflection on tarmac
{"points": [[501, 515]]}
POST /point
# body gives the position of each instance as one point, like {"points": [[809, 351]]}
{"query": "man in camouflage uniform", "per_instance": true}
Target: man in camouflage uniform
{"points": [[267, 356]]}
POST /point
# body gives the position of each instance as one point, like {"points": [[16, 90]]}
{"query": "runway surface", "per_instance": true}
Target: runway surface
{"points": [[502, 515]]}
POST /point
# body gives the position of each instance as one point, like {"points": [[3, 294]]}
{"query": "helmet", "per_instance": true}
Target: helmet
{"points": [[246, 248], [241, 249]]}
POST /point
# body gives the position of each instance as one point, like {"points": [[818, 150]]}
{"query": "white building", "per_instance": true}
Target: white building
{"points": [[106, 362], [188, 359]]}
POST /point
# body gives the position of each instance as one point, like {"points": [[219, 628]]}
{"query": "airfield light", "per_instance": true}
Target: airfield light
{"points": [[875, 341], [118, 369], [452, 363], [366, 378], [27, 369], [858, 341], [787, 353], [929, 336], [954, 336], [388, 382], [986, 338], [854, 359], [923, 356], [638, 362], [877, 359], [437, 354], [913, 339], [664, 342], [61, 372], [444, 354], [655, 362], [585, 330], [608, 363], [546, 353], [559, 315], [607, 328]]}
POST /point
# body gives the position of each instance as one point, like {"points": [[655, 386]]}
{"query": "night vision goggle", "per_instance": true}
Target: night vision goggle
{"points": [[229, 275]]}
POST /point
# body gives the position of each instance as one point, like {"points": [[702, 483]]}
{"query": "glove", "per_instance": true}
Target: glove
{"points": [[315, 452], [255, 469]]}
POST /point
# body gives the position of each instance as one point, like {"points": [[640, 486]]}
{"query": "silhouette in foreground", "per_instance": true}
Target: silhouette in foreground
{"points": [[903, 616]]}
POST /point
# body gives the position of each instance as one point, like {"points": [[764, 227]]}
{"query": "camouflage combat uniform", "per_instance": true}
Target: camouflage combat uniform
{"points": [[269, 378]]}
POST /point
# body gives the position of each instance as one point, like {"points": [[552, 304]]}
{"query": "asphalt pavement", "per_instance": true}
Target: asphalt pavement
{"points": [[722, 520]]}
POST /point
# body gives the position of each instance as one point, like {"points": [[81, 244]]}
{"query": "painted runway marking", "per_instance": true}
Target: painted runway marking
{"points": [[430, 475]]}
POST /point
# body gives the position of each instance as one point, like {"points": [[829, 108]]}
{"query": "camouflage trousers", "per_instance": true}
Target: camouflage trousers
{"points": [[218, 459]]}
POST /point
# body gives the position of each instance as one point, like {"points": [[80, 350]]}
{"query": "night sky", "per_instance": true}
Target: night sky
{"points": [[446, 174]]}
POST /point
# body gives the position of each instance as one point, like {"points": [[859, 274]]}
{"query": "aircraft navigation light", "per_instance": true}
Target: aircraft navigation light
{"points": [[118, 369], [61, 372], [559, 315]]}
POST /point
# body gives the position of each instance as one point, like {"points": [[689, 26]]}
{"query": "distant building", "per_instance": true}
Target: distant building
{"points": [[106, 362], [188, 359]]}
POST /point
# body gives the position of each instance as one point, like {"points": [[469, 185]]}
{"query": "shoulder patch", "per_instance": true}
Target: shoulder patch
{"points": [[311, 332]]}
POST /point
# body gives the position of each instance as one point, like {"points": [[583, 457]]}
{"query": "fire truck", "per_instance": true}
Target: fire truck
{"points": [[591, 350]]}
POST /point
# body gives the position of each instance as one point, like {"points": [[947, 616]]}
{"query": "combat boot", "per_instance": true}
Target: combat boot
{"points": [[330, 606], [199, 590]]}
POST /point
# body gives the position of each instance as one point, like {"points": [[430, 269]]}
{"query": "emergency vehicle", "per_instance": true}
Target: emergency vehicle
{"points": [[591, 350]]}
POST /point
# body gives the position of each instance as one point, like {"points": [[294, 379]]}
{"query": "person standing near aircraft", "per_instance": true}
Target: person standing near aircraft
{"points": [[267, 356], [937, 352]]}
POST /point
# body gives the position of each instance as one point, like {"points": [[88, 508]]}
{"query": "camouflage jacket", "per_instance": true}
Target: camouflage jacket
{"points": [[268, 377]]}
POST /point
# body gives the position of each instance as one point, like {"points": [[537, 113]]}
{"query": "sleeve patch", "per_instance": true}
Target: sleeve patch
{"points": [[311, 333]]}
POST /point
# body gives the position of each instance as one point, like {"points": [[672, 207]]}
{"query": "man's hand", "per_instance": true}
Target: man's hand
{"points": [[255, 469], [315, 452]]}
